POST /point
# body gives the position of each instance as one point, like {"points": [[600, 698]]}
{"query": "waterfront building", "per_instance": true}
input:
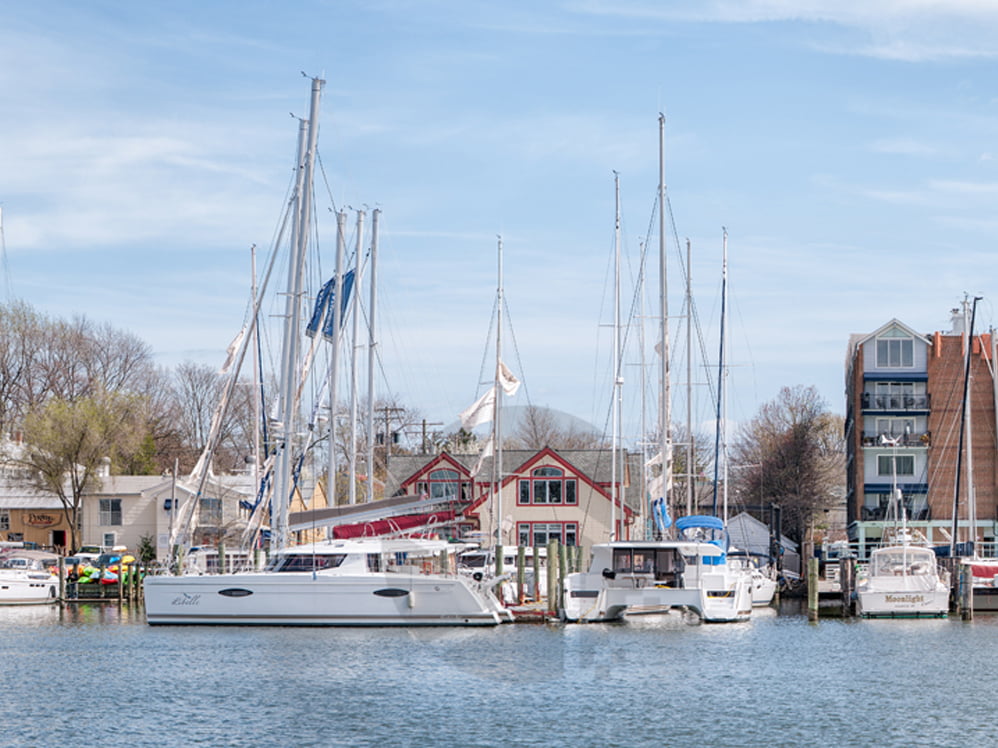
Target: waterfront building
{"points": [[904, 396], [545, 494]]}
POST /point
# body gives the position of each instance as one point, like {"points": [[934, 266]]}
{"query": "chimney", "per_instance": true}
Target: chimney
{"points": [[956, 322]]}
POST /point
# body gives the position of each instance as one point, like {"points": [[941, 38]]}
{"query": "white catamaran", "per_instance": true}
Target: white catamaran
{"points": [[651, 576], [352, 582]]}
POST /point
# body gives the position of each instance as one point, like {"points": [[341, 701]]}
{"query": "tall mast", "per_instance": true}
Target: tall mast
{"points": [[308, 135], [334, 355], [256, 372], [497, 405], [965, 435], [355, 335], [617, 379], [721, 374], [690, 451], [646, 508], [371, 354], [665, 406]]}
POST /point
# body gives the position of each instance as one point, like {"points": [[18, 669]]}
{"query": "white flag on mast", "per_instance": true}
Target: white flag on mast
{"points": [[480, 411], [507, 381], [487, 451], [232, 350]]}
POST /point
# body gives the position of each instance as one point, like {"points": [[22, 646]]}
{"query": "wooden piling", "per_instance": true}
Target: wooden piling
{"points": [[521, 573], [552, 601], [812, 589], [62, 579], [966, 592], [537, 572], [847, 584]]}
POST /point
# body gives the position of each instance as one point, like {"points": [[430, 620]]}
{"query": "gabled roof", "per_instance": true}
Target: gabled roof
{"points": [[859, 339], [591, 465]]}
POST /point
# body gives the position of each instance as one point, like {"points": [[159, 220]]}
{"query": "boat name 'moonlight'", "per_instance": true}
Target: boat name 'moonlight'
{"points": [[186, 599], [905, 598]]}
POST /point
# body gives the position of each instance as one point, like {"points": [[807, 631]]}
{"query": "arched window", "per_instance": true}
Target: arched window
{"points": [[547, 485]]}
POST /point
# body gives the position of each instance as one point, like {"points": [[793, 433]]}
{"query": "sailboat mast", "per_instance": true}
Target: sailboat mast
{"points": [[497, 419], [964, 435], [721, 374], [617, 381], [665, 405], [371, 354], [354, 368], [334, 355], [308, 135], [256, 371], [690, 451]]}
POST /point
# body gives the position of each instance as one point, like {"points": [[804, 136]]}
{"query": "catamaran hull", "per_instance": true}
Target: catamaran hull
{"points": [[292, 599], [591, 598]]}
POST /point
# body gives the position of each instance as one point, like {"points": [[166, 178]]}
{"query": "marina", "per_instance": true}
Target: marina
{"points": [[649, 681]]}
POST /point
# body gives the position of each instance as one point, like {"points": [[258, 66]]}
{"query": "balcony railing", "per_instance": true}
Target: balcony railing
{"points": [[879, 513], [906, 440], [872, 401]]}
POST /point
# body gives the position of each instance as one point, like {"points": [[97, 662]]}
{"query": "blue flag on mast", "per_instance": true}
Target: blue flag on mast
{"points": [[323, 304]]}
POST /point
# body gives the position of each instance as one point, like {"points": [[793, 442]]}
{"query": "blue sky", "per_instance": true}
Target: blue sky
{"points": [[849, 149]]}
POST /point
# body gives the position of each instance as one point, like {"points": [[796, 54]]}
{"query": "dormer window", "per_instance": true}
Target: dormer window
{"points": [[895, 350]]}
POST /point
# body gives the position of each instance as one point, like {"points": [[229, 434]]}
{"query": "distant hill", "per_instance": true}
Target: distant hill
{"points": [[513, 415]]}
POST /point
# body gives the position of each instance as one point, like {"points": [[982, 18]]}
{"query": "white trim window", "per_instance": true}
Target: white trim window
{"points": [[895, 350], [110, 512]]}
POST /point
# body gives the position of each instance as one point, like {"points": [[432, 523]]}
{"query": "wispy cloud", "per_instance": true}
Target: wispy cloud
{"points": [[887, 29]]}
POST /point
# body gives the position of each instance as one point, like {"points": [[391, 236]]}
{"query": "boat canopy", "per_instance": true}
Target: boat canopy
{"points": [[699, 520]]}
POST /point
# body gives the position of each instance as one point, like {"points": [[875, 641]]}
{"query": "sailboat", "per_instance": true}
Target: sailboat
{"points": [[903, 579], [761, 584], [628, 577], [401, 581]]}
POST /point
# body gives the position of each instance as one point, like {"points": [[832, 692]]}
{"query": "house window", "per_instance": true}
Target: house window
{"points": [[905, 464], [540, 533], [4, 519], [110, 512], [547, 485], [210, 511], [895, 353], [444, 484]]}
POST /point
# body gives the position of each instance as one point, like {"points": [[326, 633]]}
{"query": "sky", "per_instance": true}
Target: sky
{"points": [[848, 148]]}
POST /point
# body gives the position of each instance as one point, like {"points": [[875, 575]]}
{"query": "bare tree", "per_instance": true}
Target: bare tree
{"points": [[539, 428], [20, 331], [792, 455], [196, 393]]}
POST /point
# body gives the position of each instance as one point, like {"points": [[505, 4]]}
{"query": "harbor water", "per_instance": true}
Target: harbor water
{"points": [[97, 675]]}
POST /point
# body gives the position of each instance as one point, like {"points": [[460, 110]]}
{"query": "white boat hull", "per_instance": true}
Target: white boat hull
{"points": [[592, 598], [20, 588], [932, 603], [306, 599]]}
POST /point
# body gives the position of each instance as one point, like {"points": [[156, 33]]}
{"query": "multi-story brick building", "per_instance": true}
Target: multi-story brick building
{"points": [[904, 419]]}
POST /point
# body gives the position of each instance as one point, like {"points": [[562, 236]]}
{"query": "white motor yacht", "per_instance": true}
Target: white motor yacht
{"points": [[26, 578]]}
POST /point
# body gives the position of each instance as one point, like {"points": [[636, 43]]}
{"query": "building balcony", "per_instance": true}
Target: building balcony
{"points": [[872, 401], [879, 514], [906, 440]]}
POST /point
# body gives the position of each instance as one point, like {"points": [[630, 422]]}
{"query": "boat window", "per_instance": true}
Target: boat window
{"points": [[305, 562], [622, 561], [644, 562], [373, 562]]}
